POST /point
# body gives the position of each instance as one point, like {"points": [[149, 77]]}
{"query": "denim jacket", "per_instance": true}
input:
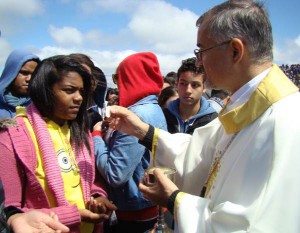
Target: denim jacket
{"points": [[122, 162]]}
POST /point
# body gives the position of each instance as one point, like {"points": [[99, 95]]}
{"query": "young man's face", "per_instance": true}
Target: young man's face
{"points": [[19, 87], [190, 87]]}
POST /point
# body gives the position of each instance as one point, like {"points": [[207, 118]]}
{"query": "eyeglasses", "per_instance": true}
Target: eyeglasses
{"points": [[115, 78], [198, 52]]}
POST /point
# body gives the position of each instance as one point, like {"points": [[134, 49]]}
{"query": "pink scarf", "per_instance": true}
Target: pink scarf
{"points": [[52, 170]]}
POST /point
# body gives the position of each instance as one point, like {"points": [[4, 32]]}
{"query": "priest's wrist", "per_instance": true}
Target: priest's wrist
{"points": [[148, 138], [171, 201], [141, 131]]}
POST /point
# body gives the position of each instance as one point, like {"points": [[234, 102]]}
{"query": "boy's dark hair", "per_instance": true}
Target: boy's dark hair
{"points": [[188, 65]]}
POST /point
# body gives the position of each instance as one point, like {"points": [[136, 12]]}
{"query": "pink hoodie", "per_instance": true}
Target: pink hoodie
{"points": [[17, 171]]}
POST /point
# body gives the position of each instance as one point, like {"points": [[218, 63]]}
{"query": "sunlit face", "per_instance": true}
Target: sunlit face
{"points": [[68, 97], [190, 88], [214, 61], [19, 86]]}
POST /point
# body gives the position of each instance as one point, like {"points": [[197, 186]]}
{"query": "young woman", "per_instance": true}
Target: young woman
{"points": [[47, 160]]}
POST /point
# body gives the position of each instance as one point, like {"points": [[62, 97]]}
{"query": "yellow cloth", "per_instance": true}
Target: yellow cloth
{"points": [[273, 88], [61, 139], [69, 169]]}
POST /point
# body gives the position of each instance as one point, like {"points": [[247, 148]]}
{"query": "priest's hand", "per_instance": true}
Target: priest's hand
{"points": [[124, 120], [159, 191]]}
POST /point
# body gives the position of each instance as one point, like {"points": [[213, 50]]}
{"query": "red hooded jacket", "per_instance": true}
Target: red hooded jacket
{"points": [[138, 77]]}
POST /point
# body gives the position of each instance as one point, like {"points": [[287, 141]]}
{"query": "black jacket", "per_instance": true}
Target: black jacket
{"points": [[172, 122]]}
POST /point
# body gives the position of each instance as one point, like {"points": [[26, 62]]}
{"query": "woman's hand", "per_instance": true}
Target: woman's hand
{"points": [[36, 221], [101, 126], [88, 216]]}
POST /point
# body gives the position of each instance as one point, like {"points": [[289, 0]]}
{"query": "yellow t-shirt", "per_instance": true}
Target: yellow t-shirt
{"points": [[66, 160]]}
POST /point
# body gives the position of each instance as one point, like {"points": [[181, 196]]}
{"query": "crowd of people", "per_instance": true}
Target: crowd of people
{"points": [[293, 72], [75, 152]]}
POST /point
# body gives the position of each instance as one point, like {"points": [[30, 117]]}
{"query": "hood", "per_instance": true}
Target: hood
{"points": [[138, 77], [205, 109], [13, 64]]}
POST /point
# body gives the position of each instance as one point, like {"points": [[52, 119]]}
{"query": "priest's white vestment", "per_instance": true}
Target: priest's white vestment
{"points": [[249, 161]]}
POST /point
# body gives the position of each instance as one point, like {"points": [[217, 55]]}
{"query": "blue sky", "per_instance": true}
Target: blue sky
{"points": [[110, 30]]}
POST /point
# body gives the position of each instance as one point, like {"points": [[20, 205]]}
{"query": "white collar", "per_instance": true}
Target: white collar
{"points": [[243, 94]]}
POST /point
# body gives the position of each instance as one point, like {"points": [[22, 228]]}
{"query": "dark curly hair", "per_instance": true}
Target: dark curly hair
{"points": [[189, 65]]}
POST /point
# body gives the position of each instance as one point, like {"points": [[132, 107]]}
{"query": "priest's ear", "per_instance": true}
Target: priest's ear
{"points": [[238, 49]]}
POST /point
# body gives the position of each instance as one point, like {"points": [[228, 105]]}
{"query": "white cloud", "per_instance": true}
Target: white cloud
{"points": [[94, 38], [5, 49], [66, 36], [11, 8], [89, 6], [289, 53], [108, 61], [72, 37], [153, 25], [164, 27], [297, 41], [14, 12]]}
